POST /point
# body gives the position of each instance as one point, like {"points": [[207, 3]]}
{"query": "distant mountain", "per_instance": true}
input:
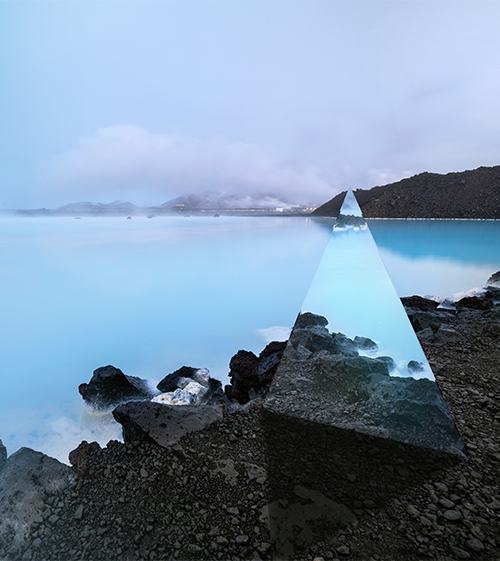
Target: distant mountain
{"points": [[211, 200], [115, 206], [466, 194], [208, 201]]}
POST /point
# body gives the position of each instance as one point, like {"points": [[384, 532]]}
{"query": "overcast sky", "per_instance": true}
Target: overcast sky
{"points": [[144, 101]]}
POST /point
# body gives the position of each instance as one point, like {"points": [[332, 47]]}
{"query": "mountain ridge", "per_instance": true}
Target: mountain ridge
{"points": [[472, 194]]}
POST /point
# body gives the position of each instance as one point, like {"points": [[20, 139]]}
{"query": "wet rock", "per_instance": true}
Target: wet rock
{"points": [[494, 280], [243, 375], [308, 320], [419, 303], [191, 393], [110, 386], [475, 303], [414, 367], [365, 344], [171, 382]]}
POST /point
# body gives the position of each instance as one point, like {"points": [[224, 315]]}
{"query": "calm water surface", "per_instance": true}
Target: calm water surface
{"points": [[151, 295]]}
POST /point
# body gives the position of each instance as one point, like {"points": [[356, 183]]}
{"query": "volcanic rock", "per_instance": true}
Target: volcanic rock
{"points": [[467, 194], [475, 302], [24, 481], [3, 456], [163, 424], [110, 386], [250, 375]]}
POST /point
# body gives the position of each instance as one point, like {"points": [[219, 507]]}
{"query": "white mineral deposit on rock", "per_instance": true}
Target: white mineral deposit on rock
{"points": [[189, 394]]}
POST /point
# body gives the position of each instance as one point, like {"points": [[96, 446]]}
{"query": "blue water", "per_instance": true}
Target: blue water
{"points": [[438, 257], [151, 295]]}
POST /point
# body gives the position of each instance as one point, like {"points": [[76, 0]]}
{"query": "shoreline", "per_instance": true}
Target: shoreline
{"points": [[228, 490]]}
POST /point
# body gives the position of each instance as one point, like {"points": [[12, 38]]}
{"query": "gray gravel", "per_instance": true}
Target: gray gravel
{"points": [[233, 491]]}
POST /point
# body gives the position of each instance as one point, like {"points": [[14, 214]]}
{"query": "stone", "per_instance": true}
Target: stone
{"points": [[191, 393], [475, 545], [460, 553], [79, 457], [475, 303], [3, 456], [494, 280], [171, 382], [415, 367], [163, 424], [269, 360], [250, 375], [110, 386], [26, 479], [494, 505], [419, 302], [452, 515]]}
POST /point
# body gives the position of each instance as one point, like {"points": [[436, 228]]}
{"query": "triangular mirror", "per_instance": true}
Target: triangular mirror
{"points": [[353, 360]]}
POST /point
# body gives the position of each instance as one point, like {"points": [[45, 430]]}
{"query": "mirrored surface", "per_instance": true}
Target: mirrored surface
{"points": [[353, 360]]}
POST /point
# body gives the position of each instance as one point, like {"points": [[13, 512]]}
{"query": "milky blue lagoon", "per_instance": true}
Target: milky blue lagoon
{"points": [[151, 295]]}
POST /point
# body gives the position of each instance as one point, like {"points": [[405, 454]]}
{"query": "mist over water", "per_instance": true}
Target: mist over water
{"points": [[151, 295]]}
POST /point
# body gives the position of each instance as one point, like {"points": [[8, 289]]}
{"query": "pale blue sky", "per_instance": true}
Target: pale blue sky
{"points": [[148, 100]]}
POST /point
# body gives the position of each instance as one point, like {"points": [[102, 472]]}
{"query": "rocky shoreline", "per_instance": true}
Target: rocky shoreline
{"points": [[248, 485]]}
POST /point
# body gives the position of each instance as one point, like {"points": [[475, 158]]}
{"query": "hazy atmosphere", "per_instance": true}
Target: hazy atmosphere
{"points": [[146, 101]]}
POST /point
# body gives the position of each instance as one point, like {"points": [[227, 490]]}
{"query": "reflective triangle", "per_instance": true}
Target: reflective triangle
{"points": [[353, 360]]}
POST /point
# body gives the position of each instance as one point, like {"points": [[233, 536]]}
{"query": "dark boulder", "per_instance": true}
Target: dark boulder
{"points": [[170, 382], [26, 480], [414, 367], [365, 344], [475, 303], [269, 360], [110, 386], [494, 279], [250, 375], [343, 345], [164, 424], [243, 375], [314, 338], [419, 303], [3, 455], [79, 457], [308, 319]]}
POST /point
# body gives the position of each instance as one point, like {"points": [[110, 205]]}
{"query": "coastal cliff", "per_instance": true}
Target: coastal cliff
{"points": [[469, 194]]}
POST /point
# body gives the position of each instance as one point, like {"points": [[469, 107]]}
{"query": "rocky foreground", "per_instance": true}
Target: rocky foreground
{"points": [[251, 486]]}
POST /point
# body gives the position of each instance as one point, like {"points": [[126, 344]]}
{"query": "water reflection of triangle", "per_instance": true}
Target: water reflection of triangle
{"points": [[353, 356]]}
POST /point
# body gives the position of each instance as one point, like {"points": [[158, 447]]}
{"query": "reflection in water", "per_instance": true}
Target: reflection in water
{"points": [[437, 257], [366, 371]]}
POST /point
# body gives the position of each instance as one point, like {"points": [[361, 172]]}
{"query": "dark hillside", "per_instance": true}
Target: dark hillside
{"points": [[467, 194]]}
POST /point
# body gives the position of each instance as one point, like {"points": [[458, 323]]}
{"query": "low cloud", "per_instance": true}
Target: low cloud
{"points": [[126, 161]]}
